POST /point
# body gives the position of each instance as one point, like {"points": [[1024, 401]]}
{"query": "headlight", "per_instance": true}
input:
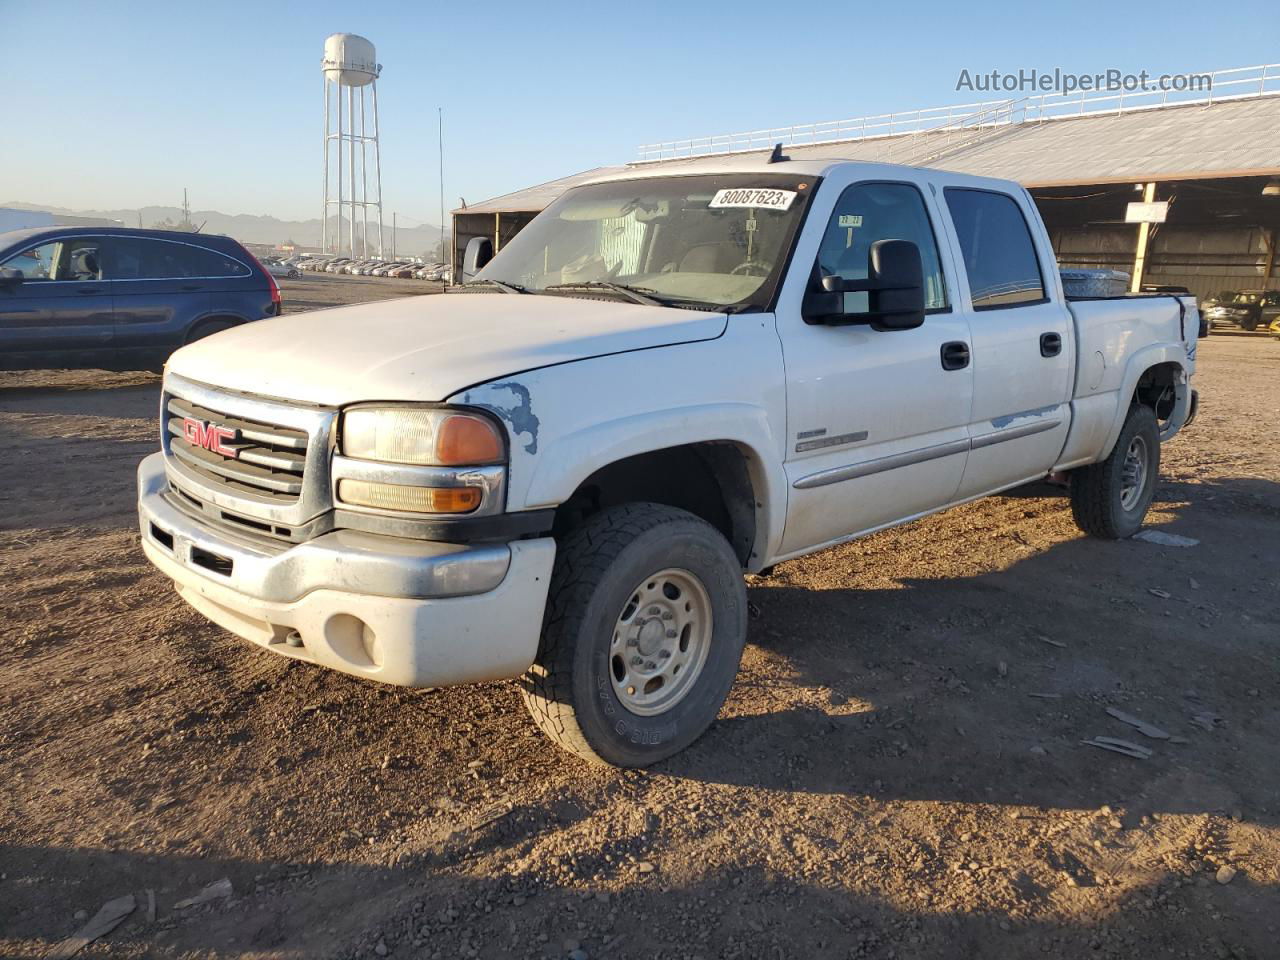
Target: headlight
{"points": [[420, 460], [427, 436]]}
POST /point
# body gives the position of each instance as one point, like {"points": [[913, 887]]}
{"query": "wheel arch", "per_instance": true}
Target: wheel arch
{"points": [[1159, 377], [716, 480], [204, 320]]}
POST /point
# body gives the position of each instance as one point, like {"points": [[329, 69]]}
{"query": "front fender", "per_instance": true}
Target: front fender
{"points": [[573, 457], [567, 421]]}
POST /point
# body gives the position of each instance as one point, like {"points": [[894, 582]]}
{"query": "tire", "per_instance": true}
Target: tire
{"points": [[1250, 325], [207, 328], [1107, 500], [675, 565]]}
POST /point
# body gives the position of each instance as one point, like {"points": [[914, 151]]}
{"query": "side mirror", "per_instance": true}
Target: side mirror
{"points": [[10, 278], [479, 252], [894, 284]]}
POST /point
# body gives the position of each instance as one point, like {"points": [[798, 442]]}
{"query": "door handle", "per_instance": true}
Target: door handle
{"points": [[192, 286], [1050, 344], [88, 290], [955, 355]]}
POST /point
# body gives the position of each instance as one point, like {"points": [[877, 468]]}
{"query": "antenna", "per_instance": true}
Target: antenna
{"points": [[777, 156]]}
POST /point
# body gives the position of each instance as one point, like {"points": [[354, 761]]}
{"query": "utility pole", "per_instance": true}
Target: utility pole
{"points": [[393, 234], [440, 137]]}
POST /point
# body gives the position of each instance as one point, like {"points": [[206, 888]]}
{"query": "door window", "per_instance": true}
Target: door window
{"points": [[77, 258], [33, 264], [140, 258], [866, 213], [999, 254]]}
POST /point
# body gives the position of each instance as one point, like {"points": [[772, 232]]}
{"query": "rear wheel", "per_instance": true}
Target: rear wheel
{"points": [[645, 624], [1110, 499]]}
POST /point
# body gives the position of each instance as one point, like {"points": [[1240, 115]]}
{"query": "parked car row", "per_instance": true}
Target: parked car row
{"points": [[377, 267], [1247, 309]]}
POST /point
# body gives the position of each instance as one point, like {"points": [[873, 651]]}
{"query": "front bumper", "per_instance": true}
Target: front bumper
{"points": [[407, 612]]}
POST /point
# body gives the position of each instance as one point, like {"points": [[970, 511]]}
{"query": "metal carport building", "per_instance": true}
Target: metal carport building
{"points": [[1213, 155]]}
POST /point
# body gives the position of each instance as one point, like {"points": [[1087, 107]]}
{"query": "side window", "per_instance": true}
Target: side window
{"points": [[140, 258], [867, 212], [76, 258], [34, 264], [203, 262], [999, 254]]}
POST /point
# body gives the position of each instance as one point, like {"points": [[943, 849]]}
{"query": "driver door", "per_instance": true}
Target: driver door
{"points": [[62, 306], [877, 421]]}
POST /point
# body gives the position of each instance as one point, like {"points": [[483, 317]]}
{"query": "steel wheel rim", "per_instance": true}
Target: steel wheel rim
{"points": [[660, 642], [1133, 474]]}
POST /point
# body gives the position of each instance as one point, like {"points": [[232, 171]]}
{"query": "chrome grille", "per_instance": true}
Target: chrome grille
{"points": [[269, 459], [278, 478]]}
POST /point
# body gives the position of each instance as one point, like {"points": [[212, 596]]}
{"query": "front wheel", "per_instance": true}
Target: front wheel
{"points": [[645, 624], [1110, 499]]}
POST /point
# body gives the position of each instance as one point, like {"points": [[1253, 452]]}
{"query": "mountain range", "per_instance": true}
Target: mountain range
{"points": [[249, 228]]}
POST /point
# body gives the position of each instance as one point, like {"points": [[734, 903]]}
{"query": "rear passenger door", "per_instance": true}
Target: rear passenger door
{"points": [[165, 285], [62, 305], [1022, 343]]}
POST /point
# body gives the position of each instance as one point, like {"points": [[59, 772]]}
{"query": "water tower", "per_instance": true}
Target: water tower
{"points": [[350, 71]]}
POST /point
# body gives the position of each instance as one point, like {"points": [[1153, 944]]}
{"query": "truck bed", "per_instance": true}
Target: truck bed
{"points": [[1116, 336]]}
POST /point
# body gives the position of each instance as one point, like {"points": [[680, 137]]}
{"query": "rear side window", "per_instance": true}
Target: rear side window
{"points": [[999, 254], [139, 258]]}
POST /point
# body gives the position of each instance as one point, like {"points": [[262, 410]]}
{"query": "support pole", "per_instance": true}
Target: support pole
{"points": [[324, 216], [1144, 237], [351, 146], [1271, 237], [377, 159], [364, 177], [337, 234]]}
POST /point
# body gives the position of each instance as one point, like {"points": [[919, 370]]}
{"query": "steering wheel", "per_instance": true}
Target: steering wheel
{"points": [[751, 268]]}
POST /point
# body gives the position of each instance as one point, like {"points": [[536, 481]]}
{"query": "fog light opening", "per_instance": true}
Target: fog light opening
{"points": [[353, 640]]}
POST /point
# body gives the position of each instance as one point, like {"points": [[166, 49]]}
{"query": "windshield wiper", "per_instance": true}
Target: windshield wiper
{"points": [[637, 294], [500, 284]]}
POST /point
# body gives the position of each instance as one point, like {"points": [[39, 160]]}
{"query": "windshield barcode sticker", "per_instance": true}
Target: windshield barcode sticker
{"points": [[752, 197]]}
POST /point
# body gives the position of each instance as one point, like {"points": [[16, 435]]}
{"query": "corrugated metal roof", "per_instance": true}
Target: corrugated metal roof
{"points": [[535, 198], [1234, 138]]}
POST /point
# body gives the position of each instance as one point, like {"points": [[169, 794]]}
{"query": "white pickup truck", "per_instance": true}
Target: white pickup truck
{"points": [[560, 471]]}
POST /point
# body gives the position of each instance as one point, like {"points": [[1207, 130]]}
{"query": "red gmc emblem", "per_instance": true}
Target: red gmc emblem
{"points": [[209, 436]]}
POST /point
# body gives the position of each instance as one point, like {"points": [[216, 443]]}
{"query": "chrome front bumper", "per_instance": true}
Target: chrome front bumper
{"points": [[409, 612]]}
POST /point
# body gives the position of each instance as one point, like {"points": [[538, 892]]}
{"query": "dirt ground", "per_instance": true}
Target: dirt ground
{"points": [[898, 772]]}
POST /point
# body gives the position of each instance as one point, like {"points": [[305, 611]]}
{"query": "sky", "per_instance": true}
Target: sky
{"points": [[123, 104]]}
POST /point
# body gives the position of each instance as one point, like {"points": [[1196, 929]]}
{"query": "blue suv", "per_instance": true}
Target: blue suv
{"points": [[120, 299]]}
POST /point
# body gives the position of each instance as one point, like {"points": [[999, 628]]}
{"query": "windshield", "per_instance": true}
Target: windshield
{"points": [[716, 242]]}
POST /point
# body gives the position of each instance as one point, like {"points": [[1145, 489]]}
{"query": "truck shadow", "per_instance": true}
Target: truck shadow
{"points": [[980, 689], [450, 905]]}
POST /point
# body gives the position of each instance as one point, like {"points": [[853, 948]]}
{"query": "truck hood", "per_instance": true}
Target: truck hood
{"points": [[429, 347]]}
